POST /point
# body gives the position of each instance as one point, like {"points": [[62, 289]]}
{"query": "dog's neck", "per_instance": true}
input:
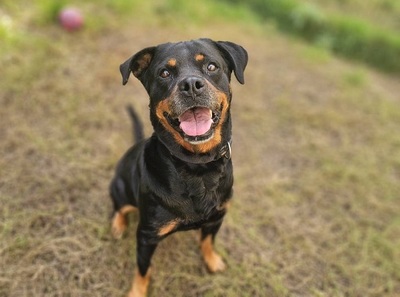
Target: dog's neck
{"points": [[221, 152]]}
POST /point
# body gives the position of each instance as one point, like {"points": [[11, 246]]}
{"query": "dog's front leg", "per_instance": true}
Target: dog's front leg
{"points": [[213, 261], [146, 246]]}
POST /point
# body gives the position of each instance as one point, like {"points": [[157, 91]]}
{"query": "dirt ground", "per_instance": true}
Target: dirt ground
{"points": [[317, 171]]}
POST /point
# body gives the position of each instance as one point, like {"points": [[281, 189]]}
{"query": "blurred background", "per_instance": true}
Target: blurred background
{"points": [[316, 147]]}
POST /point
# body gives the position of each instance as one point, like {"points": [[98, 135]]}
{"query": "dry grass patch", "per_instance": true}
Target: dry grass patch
{"points": [[316, 155]]}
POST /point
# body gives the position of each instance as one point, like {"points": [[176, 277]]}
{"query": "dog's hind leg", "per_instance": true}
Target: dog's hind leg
{"points": [[120, 222], [122, 206]]}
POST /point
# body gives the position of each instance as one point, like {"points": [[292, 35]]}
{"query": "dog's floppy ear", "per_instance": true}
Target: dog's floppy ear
{"points": [[137, 64], [236, 56]]}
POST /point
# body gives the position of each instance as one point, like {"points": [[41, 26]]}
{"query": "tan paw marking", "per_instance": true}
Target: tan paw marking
{"points": [[213, 261], [140, 284], [119, 221]]}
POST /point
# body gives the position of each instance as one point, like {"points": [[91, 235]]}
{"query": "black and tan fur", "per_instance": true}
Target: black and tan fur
{"points": [[177, 181]]}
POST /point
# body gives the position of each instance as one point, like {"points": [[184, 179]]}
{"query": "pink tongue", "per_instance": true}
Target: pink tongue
{"points": [[196, 121]]}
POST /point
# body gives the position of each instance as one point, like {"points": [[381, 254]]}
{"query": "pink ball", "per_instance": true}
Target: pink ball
{"points": [[71, 19]]}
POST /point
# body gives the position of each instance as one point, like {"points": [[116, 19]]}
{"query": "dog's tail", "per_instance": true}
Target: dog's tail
{"points": [[138, 132]]}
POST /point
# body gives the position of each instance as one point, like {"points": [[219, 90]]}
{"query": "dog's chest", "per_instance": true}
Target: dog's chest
{"points": [[203, 192]]}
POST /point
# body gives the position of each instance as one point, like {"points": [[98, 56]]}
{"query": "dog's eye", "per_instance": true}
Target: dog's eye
{"points": [[165, 73], [212, 67]]}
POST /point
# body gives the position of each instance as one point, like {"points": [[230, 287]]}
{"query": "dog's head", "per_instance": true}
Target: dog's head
{"points": [[190, 94]]}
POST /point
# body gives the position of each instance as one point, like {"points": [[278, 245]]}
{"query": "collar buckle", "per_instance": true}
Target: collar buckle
{"points": [[225, 151]]}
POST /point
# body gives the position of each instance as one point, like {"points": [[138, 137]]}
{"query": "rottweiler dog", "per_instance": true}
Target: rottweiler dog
{"points": [[181, 177]]}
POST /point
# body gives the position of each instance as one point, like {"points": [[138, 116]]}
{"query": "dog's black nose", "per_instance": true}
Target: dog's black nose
{"points": [[192, 86]]}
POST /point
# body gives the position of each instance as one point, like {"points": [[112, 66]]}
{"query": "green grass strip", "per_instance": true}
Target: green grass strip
{"points": [[347, 36]]}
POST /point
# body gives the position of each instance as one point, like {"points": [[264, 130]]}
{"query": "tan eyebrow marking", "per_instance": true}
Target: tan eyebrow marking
{"points": [[172, 62], [199, 57]]}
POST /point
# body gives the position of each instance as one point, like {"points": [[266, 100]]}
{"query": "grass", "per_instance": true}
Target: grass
{"points": [[382, 13], [316, 154], [351, 36]]}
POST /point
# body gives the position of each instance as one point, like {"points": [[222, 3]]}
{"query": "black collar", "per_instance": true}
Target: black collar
{"points": [[225, 151]]}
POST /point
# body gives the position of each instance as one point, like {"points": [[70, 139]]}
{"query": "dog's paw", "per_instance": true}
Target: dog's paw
{"points": [[215, 263], [120, 221], [118, 225], [139, 285]]}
